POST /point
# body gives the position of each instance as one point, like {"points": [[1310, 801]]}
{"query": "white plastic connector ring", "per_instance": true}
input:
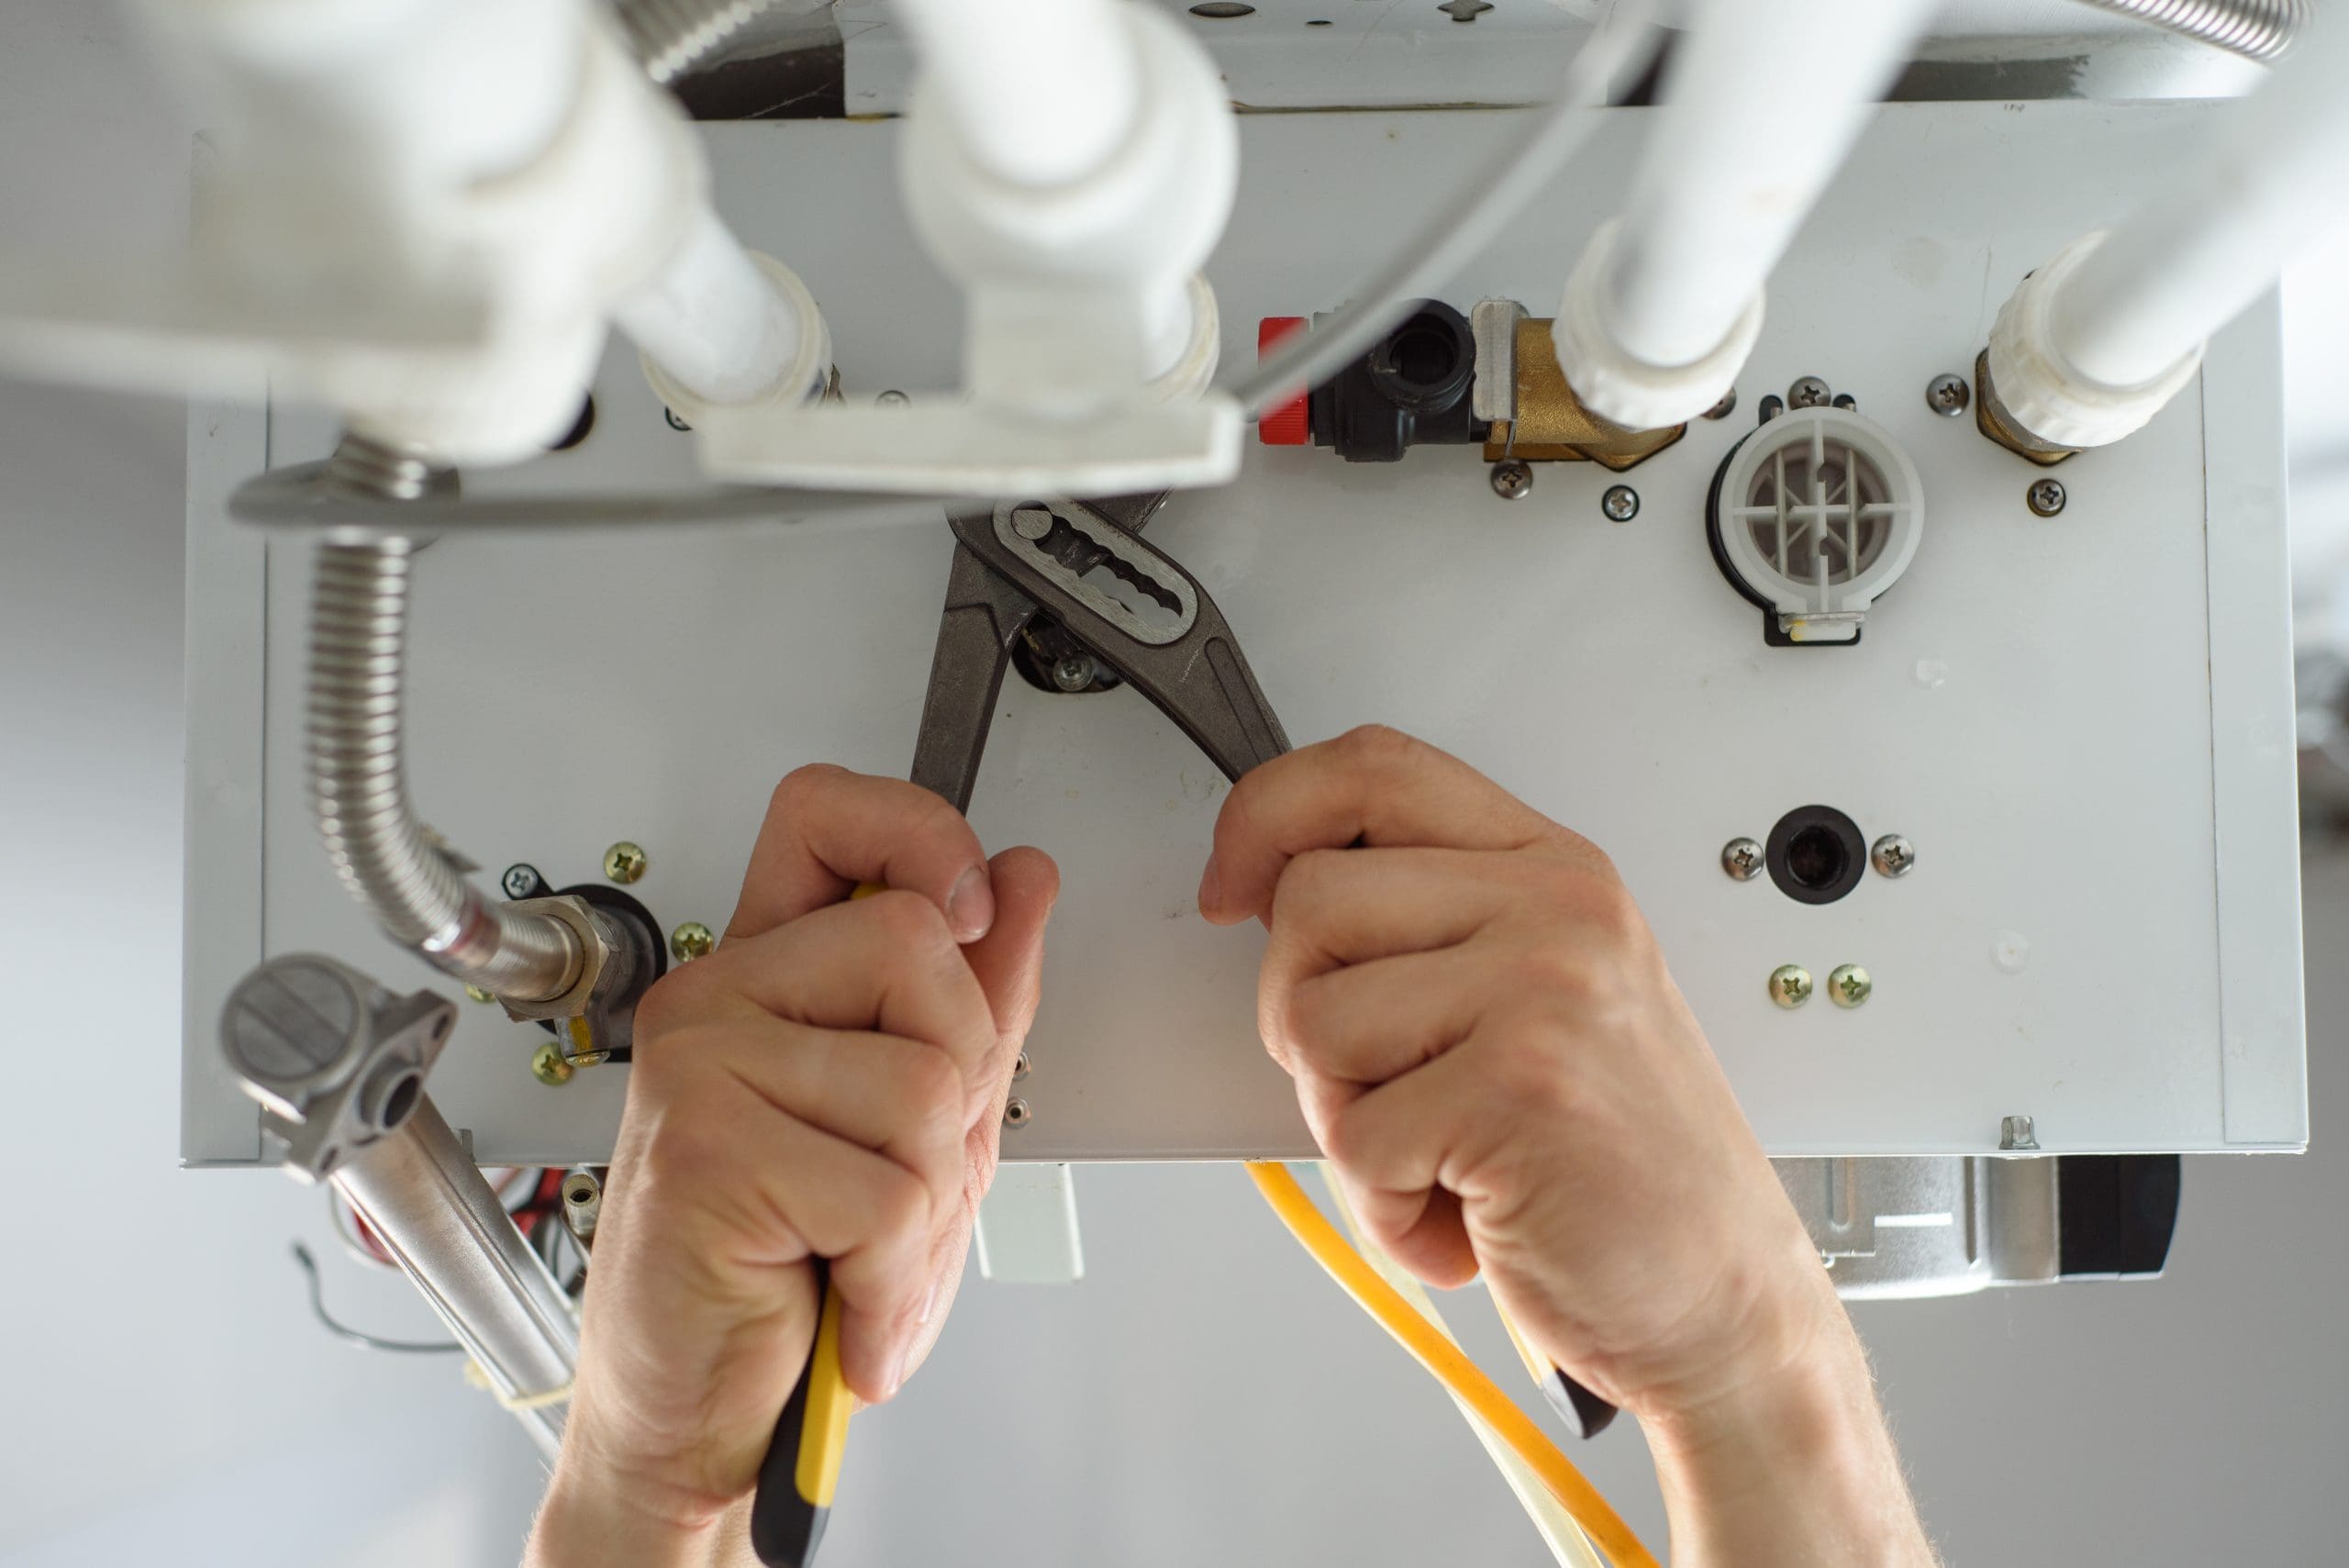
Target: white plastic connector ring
{"points": [[1631, 392], [802, 380], [1818, 512], [2041, 391]]}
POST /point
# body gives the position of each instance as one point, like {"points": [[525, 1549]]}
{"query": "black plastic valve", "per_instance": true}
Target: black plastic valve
{"points": [[1411, 389]]}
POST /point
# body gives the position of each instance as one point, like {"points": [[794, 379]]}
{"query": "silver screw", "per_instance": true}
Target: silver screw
{"points": [[1722, 409], [1031, 523], [2016, 1132], [1892, 855], [1948, 395], [1512, 479], [1016, 1113], [520, 880], [2045, 496], [892, 399], [1621, 503], [1741, 857], [1075, 673], [1808, 392]]}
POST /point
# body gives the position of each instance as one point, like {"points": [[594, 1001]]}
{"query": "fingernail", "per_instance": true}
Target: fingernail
{"points": [[1210, 886], [969, 908]]}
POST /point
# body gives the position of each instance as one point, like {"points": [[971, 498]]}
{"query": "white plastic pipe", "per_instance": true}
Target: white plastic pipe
{"points": [[424, 91], [2190, 259], [1762, 103], [720, 326], [1042, 91]]}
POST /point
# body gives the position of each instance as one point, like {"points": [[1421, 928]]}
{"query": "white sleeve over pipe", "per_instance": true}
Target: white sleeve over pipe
{"points": [[719, 324], [1762, 101], [1042, 91], [2189, 259]]}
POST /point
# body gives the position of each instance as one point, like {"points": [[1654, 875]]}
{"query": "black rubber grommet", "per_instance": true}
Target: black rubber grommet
{"points": [[1816, 854]]}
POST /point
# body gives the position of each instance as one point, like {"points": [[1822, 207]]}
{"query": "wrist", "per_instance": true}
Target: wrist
{"points": [[597, 1512], [1793, 1464]]}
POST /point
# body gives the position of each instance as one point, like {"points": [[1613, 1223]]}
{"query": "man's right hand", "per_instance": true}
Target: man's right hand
{"points": [[1489, 1048]]}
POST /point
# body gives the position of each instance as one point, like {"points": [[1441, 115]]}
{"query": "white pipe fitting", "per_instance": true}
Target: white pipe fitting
{"points": [[2092, 345], [2042, 390], [1618, 385], [1762, 104], [1042, 91], [726, 327], [1080, 292]]}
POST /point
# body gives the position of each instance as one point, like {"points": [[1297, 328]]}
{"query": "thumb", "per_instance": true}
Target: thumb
{"points": [[1009, 961]]}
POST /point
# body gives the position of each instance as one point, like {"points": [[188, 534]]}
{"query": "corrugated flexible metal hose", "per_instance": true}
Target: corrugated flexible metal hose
{"points": [[2256, 29], [359, 788]]}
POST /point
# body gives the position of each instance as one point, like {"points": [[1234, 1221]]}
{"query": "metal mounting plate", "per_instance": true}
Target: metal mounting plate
{"points": [[2101, 929]]}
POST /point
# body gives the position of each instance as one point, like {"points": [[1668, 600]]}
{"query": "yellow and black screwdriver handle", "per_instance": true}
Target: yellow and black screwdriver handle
{"points": [[803, 1464]]}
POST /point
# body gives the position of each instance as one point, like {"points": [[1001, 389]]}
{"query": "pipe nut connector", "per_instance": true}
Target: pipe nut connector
{"points": [[1628, 392], [599, 953], [2046, 403]]}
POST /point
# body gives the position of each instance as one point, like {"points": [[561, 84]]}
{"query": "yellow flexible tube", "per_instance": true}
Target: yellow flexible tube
{"points": [[1450, 1365]]}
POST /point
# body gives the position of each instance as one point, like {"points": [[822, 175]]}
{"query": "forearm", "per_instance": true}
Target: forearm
{"points": [[1798, 1469]]}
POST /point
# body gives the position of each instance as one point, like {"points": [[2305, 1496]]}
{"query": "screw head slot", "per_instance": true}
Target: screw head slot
{"points": [[624, 862], [1742, 859], [1512, 479], [1790, 986], [1621, 503], [690, 940], [2045, 498], [1892, 855], [548, 1066], [1849, 985], [1808, 392], [1948, 395]]}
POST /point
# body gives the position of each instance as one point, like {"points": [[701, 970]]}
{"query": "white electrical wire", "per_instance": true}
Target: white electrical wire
{"points": [[1455, 236]]}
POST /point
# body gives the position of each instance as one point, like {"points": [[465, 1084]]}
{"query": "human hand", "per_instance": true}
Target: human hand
{"points": [[829, 1083], [1488, 1046]]}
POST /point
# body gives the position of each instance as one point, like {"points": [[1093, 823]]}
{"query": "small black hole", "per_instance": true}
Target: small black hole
{"points": [[1424, 352], [578, 427], [1816, 854], [1815, 857], [401, 1100], [1318, 22]]}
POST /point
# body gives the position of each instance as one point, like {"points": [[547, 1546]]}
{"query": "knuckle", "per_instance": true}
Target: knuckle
{"points": [[901, 1204], [799, 785], [1378, 747], [1354, 1143], [908, 921], [1307, 882], [931, 1092]]}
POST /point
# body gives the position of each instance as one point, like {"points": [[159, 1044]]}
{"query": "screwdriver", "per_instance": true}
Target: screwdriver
{"points": [[794, 1500]]}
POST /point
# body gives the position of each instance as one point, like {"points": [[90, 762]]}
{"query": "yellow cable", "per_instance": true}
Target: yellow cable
{"points": [[1450, 1365]]}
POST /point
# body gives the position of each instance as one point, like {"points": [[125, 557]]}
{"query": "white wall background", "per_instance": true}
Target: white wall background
{"points": [[1204, 1397]]}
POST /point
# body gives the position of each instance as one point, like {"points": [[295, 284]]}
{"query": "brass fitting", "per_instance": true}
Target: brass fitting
{"points": [[1990, 416], [1551, 425]]}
